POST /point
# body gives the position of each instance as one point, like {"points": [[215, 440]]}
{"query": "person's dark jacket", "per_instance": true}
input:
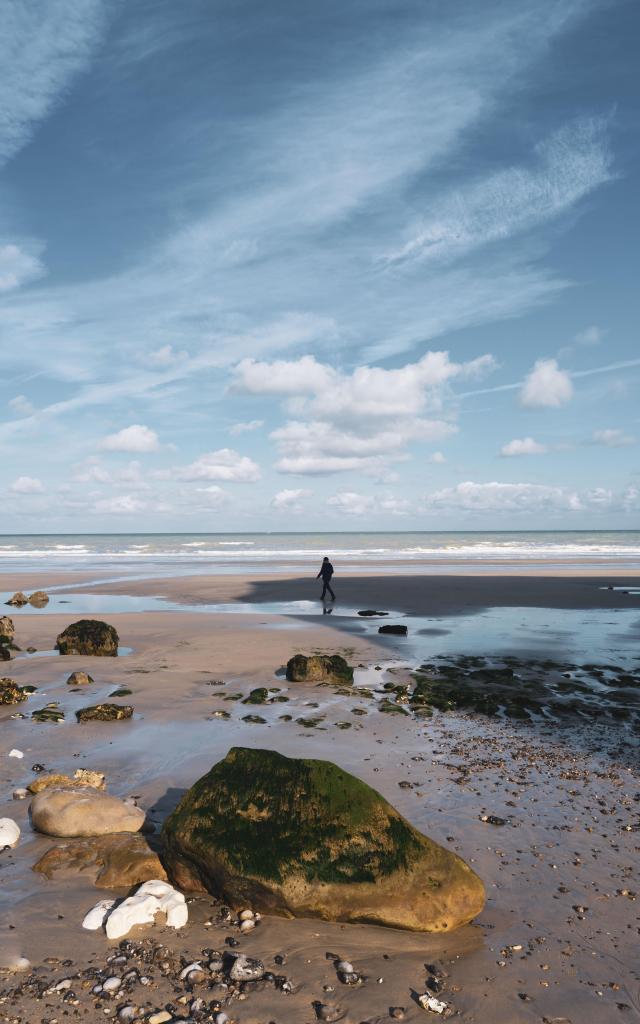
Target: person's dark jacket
{"points": [[326, 571]]}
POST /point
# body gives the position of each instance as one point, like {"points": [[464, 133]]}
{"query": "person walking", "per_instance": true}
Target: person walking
{"points": [[326, 572]]}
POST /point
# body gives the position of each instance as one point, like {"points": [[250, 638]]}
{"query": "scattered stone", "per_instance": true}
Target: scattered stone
{"points": [[246, 968], [328, 1011], [319, 668], [79, 679], [368, 612], [162, 1017], [9, 833], [429, 1002], [258, 696], [18, 600], [153, 897], [10, 692], [71, 813], [39, 599], [89, 637], [493, 819], [118, 860], [50, 713], [16, 753], [393, 630], [299, 837], [83, 778], [7, 628], [104, 713], [20, 793]]}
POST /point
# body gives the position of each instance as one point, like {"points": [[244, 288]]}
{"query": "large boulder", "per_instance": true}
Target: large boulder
{"points": [[18, 600], [116, 861], [39, 599], [302, 838], [10, 692], [89, 636], [319, 668], [83, 812], [104, 713]]}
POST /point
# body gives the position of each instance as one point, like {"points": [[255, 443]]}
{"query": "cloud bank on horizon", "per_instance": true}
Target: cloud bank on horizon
{"points": [[307, 267]]}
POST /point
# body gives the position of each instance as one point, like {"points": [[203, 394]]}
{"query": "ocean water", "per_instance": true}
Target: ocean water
{"points": [[151, 554]]}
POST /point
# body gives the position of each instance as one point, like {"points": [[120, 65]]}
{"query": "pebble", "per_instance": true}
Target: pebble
{"points": [[345, 967], [428, 1002], [15, 753], [329, 1012], [111, 985], [246, 915], [127, 1014], [247, 925], [20, 794], [246, 968], [162, 1017], [9, 832]]}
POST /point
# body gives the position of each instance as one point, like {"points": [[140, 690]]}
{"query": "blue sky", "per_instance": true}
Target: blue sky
{"points": [[364, 264]]}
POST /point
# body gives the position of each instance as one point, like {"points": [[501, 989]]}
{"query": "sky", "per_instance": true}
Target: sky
{"points": [[358, 264]]}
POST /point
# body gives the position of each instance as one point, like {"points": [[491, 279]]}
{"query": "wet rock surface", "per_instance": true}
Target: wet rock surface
{"points": [[89, 637], [299, 837], [319, 668], [104, 713], [10, 692], [70, 813], [116, 861]]}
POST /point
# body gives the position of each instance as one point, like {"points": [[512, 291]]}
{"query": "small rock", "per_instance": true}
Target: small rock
{"points": [[79, 679], [18, 600], [393, 630], [246, 968], [39, 599], [493, 819], [9, 833], [20, 793], [16, 753], [162, 1017], [111, 985], [428, 1002]]}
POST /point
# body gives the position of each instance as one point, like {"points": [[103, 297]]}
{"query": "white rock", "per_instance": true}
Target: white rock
{"points": [[175, 907], [138, 909], [20, 964], [111, 984], [187, 970], [162, 1017], [345, 967], [20, 793], [96, 916], [62, 985], [9, 832], [15, 753], [428, 1002], [246, 915], [155, 887], [247, 925]]}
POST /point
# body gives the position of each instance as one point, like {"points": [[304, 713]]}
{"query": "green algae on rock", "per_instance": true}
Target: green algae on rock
{"points": [[89, 637], [10, 692], [303, 838], [319, 668], [104, 713]]}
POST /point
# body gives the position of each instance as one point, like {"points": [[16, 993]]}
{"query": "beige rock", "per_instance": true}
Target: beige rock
{"points": [[18, 599], [39, 599], [117, 861], [7, 627], [82, 779], [79, 679], [70, 813]]}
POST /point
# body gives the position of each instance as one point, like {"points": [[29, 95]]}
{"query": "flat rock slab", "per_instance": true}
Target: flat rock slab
{"points": [[117, 861], [104, 713], [70, 813]]}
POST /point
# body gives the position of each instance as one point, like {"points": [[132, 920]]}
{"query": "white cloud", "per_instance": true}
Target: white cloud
{"points": [[21, 405], [136, 438], [590, 335], [283, 377], [43, 45], [503, 497], [224, 464], [165, 356], [27, 485], [523, 446], [246, 428], [17, 267], [438, 458], [351, 503], [569, 165], [122, 504], [546, 386], [612, 438], [290, 499]]}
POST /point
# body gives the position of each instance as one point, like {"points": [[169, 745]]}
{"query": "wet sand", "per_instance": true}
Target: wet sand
{"points": [[571, 838]]}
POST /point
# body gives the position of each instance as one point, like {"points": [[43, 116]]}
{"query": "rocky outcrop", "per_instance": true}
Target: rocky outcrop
{"points": [[319, 668], [104, 713], [39, 599], [10, 692], [70, 813], [49, 713], [117, 861], [393, 630], [90, 637], [79, 679], [303, 838], [18, 600]]}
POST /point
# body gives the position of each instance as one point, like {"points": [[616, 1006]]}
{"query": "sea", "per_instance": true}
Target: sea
{"points": [[163, 554]]}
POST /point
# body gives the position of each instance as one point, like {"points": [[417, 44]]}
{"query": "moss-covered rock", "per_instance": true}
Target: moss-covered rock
{"points": [[104, 713], [49, 713], [258, 696], [319, 668], [79, 679], [89, 637], [299, 837], [10, 692]]}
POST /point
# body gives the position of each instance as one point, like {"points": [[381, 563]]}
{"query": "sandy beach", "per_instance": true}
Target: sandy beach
{"points": [[557, 940]]}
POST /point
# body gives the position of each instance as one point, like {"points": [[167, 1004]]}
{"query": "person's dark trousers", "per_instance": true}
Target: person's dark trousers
{"points": [[327, 586]]}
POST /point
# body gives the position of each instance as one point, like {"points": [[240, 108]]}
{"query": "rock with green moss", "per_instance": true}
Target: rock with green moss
{"points": [[104, 713], [258, 696], [89, 637], [303, 838], [319, 668], [49, 713], [10, 692]]}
